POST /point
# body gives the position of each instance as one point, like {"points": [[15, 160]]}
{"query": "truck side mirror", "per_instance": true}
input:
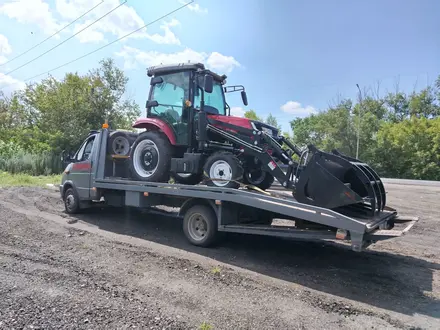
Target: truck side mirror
{"points": [[244, 97], [209, 83]]}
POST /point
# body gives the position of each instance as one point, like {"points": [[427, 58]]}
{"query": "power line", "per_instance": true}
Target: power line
{"points": [[66, 26], [56, 46], [110, 43]]}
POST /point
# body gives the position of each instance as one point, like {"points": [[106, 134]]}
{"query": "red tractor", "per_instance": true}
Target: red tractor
{"points": [[191, 136]]}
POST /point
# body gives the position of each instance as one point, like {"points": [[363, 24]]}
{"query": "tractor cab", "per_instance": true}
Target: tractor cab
{"points": [[178, 93]]}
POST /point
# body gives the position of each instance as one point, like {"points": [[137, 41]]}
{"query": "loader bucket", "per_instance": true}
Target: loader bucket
{"points": [[341, 183]]}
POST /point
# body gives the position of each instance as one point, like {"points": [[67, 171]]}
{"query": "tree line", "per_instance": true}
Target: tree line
{"points": [[399, 133], [44, 118]]}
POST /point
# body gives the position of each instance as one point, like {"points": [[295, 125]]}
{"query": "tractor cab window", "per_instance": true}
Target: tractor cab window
{"points": [[214, 102], [171, 95]]}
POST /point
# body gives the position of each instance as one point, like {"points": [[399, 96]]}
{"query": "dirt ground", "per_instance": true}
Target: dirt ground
{"points": [[125, 269]]}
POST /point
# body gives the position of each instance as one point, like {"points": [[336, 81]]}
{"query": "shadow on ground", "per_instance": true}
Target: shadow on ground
{"points": [[389, 281]]}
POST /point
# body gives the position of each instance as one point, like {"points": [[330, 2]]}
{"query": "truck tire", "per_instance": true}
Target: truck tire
{"points": [[150, 157], [262, 180], [200, 225], [119, 144], [71, 201], [222, 169]]}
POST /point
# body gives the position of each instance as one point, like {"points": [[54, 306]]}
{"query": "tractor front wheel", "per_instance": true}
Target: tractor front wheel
{"points": [[258, 178], [223, 169], [150, 157]]}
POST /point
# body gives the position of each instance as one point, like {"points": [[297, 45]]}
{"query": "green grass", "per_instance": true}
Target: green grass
{"points": [[216, 270], [8, 180], [205, 326]]}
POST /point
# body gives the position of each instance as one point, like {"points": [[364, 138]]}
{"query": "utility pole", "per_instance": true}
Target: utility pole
{"points": [[359, 124]]}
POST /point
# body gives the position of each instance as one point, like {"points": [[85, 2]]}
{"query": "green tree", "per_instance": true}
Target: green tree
{"points": [[55, 115], [271, 120], [251, 114], [410, 149]]}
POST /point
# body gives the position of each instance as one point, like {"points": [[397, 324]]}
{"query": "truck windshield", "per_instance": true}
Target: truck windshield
{"points": [[214, 102]]}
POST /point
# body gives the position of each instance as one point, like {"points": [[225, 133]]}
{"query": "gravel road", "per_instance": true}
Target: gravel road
{"points": [[110, 269]]}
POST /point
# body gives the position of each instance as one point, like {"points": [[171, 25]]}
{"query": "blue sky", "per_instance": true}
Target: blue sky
{"points": [[294, 57]]}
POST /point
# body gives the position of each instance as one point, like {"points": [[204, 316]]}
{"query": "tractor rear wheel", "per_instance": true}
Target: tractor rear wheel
{"points": [[150, 157], [223, 169], [258, 178]]}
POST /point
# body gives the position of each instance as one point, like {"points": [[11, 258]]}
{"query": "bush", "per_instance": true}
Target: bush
{"points": [[14, 160]]}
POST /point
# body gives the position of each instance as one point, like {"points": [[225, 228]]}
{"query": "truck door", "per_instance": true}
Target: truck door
{"points": [[81, 170]]}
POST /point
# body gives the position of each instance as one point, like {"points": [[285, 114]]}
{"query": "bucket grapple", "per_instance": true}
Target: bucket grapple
{"points": [[339, 182]]}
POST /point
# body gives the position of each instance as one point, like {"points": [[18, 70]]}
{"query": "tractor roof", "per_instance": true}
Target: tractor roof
{"points": [[180, 67]]}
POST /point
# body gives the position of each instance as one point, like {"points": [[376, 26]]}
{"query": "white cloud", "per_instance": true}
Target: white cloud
{"points": [[237, 111], [169, 37], [9, 84], [295, 108], [119, 23], [88, 35], [221, 62], [31, 12], [214, 60], [5, 49], [194, 7]]}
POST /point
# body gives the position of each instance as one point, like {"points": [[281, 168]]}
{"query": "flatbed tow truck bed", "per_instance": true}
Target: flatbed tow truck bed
{"points": [[209, 210]]}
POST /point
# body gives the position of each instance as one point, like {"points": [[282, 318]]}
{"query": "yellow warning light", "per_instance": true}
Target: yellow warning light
{"points": [[105, 125]]}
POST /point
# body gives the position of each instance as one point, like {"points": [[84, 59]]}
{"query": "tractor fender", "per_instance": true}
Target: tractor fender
{"points": [[153, 124]]}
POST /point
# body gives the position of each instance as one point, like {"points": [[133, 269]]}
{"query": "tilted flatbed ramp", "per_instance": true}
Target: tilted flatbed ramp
{"points": [[361, 232]]}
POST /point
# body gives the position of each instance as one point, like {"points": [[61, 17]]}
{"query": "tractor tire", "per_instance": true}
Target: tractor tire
{"points": [[223, 169], [150, 157], [119, 143], [190, 179], [263, 180]]}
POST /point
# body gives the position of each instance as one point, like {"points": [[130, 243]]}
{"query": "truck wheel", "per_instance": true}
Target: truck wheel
{"points": [[223, 169], [187, 178], [71, 201], [200, 225], [118, 144], [150, 157], [258, 178]]}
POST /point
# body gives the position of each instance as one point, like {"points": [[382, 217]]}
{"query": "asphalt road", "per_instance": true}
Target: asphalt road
{"points": [[125, 269]]}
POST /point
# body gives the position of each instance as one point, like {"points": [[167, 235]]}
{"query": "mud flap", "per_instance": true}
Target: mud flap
{"points": [[342, 183]]}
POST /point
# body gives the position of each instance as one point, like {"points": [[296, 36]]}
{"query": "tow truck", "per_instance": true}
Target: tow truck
{"points": [[93, 177]]}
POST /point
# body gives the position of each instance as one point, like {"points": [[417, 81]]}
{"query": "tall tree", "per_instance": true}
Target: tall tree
{"points": [[271, 120], [60, 113], [251, 114]]}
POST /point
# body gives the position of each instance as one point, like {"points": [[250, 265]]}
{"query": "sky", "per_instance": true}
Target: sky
{"points": [[294, 57]]}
